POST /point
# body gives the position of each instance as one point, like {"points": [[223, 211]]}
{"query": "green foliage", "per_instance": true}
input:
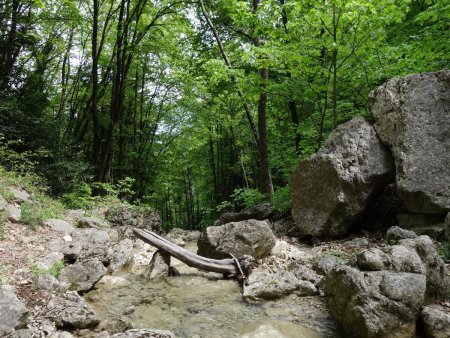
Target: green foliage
{"points": [[444, 251], [12, 160], [54, 270], [281, 199], [34, 214], [180, 138], [80, 197], [246, 198], [224, 206]]}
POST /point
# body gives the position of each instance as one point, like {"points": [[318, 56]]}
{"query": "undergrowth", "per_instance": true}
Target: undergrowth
{"points": [[54, 270]]}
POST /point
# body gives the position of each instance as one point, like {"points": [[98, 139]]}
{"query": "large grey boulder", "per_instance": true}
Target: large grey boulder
{"points": [[250, 237], [71, 311], [13, 314], [82, 276], [332, 189], [412, 118], [86, 244], [60, 226], [375, 304], [436, 321]]}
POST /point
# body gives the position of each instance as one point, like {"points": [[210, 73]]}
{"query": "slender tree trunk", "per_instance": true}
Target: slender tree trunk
{"points": [[265, 184], [95, 120]]}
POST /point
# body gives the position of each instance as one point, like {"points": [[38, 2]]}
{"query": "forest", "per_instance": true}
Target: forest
{"points": [[195, 107]]}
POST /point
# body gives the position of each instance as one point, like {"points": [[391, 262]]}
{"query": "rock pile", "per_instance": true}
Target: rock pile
{"points": [[381, 295]]}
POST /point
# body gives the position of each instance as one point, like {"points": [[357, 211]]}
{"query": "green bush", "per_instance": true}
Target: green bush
{"points": [[281, 199], [34, 214], [246, 198]]}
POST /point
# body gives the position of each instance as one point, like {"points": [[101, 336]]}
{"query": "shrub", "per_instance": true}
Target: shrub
{"points": [[281, 199], [34, 214], [246, 198]]}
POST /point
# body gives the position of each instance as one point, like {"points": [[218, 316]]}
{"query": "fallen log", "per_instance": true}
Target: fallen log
{"points": [[238, 268]]}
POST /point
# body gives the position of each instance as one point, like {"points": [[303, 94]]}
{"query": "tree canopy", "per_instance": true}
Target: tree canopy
{"points": [[198, 106]]}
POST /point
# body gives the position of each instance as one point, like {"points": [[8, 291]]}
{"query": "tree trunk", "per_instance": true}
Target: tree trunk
{"points": [[265, 184], [239, 268]]}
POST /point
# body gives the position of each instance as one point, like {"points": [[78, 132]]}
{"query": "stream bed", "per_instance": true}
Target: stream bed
{"points": [[199, 304]]}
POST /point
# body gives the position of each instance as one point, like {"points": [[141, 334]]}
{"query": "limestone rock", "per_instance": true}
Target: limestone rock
{"points": [[14, 213], [93, 243], [333, 188], [438, 283], [50, 283], [60, 226], [158, 267], [71, 311], [436, 321], [249, 237], [264, 285], [120, 255], [20, 195], [140, 333], [92, 222], [395, 233], [411, 118], [49, 260], [82, 276], [259, 212], [372, 259], [324, 265], [13, 314], [306, 288], [375, 304], [86, 244]]}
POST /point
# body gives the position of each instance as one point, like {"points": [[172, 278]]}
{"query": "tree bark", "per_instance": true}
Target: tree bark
{"points": [[265, 184]]}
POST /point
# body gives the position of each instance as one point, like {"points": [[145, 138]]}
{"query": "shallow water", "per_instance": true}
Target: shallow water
{"points": [[198, 304]]}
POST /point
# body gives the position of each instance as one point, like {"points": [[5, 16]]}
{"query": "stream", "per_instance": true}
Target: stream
{"points": [[199, 304]]}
